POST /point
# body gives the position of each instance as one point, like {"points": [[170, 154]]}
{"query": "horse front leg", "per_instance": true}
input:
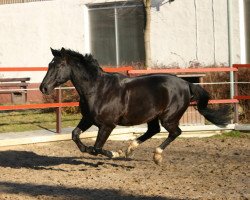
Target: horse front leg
{"points": [[102, 136], [83, 125]]}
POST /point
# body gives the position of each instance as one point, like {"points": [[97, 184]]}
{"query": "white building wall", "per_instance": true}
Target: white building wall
{"points": [[28, 30], [221, 32], [194, 32], [184, 33], [173, 34]]}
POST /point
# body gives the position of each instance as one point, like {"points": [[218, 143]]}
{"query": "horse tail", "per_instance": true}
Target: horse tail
{"points": [[218, 116]]}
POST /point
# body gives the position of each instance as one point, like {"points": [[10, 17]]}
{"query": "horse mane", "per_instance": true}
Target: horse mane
{"points": [[88, 61]]}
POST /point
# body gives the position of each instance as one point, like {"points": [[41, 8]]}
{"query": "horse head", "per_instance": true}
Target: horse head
{"points": [[58, 71]]}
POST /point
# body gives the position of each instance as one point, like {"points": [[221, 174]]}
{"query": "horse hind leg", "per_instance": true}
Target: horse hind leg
{"points": [[174, 132], [153, 128]]}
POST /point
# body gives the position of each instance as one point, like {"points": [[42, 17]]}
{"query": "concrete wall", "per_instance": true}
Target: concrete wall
{"points": [[28, 31], [184, 33], [194, 32]]}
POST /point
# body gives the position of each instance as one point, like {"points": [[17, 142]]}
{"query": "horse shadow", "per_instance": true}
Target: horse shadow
{"points": [[63, 192], [31, 160]]}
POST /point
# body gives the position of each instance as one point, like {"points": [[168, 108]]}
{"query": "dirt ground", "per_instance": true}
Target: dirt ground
{"points": [[208, 168]]}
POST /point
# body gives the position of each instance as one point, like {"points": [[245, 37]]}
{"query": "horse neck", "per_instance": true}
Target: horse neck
{"points": [[84, 82]]}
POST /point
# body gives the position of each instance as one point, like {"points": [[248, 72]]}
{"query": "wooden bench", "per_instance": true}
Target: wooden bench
{"points": [[16, 87]]}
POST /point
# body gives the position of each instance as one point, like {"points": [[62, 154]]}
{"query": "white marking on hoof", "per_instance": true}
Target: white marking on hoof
{"points": [[158, 150], [158, 156], [134, 144], [121, 153], [115, 154]]}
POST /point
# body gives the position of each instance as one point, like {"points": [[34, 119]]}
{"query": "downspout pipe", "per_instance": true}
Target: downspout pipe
{"points": [[230, 51], [242, 32]]}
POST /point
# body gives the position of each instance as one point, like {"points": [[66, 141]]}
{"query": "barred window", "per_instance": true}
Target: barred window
{"points": [[116, 33], [18, 1]]}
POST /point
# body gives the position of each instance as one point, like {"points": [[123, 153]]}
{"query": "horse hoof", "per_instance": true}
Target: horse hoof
{"points": [[83, 150], [121, 153], [131, 148], [157, 158], [91, 150], [117, 154], [129, 153], [109, 154]]}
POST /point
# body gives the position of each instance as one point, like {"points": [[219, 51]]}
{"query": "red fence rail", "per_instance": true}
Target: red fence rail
{"points": [[27, 69], [23, 69], [242, 97], [188, 70], [125, 69], [241, 66], [38, 106]]}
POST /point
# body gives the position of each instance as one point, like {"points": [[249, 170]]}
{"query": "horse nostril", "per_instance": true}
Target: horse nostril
{"points": [[44, 89]]}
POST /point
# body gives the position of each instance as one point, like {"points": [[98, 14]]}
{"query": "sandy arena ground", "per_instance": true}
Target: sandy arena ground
{"points": [[208, 168]]}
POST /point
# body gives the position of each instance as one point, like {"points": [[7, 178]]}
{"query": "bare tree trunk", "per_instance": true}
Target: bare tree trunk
{"points": [[148, 60]]}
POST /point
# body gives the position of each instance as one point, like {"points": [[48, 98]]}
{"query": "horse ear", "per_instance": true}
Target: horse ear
{"points": [[63, 52], [55, 52]]}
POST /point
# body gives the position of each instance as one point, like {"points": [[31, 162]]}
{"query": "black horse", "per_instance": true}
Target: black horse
{"points": [[110, 99]]}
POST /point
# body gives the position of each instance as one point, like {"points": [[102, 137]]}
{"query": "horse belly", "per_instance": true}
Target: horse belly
{"points": [[133, 120], [141, 110]]}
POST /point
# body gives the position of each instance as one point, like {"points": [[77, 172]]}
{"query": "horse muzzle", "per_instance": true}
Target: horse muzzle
{"points": [[45, 89]]}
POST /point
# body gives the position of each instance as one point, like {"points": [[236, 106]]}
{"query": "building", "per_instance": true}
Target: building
{"points": [[184, 33]]}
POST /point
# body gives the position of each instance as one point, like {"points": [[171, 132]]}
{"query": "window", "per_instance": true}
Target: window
{"points": [[18, 1], [116, 33]]}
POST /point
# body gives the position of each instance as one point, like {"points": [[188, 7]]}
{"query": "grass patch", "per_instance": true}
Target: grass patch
{"points": [[233, 134], [34, 120]]}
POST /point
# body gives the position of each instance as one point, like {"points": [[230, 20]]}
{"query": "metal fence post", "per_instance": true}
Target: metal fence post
{"points": [[236, 93], [59, 111]]}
